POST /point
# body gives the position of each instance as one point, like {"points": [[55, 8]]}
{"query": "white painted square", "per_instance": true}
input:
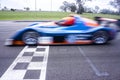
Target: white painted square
{"points": [[42, 47], [35, 66], [24, 59], [38, 54], [30, 50], [14, 75]]}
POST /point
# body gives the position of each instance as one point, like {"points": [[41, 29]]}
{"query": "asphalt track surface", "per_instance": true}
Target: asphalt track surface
{"points": [[66, 62]]}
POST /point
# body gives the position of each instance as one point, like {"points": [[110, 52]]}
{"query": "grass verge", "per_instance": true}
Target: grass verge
{"points": [[23, 15]]}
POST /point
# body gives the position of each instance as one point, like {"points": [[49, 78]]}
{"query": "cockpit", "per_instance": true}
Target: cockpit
{"points": [[67, 21]]}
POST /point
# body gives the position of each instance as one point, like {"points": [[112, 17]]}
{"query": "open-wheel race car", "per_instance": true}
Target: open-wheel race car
{"points": [[69, 30]]}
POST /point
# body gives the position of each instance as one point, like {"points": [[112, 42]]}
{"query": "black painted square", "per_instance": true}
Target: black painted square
{"points": [[21, 66], [37, 59], [32, 74], [28, 54], [40, 49], [31, 46]]}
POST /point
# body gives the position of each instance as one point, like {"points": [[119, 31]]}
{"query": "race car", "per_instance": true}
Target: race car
{"points": [[69, 30]]}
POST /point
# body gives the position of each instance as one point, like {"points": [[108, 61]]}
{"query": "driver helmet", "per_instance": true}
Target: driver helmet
{"points": [[67, 21]]}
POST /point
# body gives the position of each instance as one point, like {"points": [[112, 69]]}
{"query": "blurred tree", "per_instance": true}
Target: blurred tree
{"points": [[13, 9], [116, 4], [27, 8], [66, 3], [78, 7], [73, 7], [106, 11], [96, 9], [80, 4], [88, 9], [5, 8], [63, 8], [68, 6]]}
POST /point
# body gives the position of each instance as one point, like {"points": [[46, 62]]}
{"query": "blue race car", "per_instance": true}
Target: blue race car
{"points": [[70, 30]]}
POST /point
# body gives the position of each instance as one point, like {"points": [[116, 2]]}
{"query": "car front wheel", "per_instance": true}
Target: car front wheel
{"points": [[100, 37], [30, 38]]}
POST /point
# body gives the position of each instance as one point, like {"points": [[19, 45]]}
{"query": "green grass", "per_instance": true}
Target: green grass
{"points": [[23, 15], [8, 15], [91, 15]]}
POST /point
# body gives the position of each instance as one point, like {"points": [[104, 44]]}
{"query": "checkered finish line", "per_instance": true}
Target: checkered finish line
{"points": [[30, 64]]}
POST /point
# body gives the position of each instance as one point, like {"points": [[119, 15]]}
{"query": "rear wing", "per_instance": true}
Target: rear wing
{"points": [[101, 19]]}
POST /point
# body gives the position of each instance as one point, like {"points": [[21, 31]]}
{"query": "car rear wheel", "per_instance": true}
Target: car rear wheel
{"points": [[30, 37], [100, 37]]}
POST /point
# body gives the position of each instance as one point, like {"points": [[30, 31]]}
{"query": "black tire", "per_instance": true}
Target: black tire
{"points": [[30, 38], [100, 37]]}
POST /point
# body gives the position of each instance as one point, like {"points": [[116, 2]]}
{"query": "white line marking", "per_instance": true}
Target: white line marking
{"points": [[44, 67], [12, 74], [97, 72]]}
